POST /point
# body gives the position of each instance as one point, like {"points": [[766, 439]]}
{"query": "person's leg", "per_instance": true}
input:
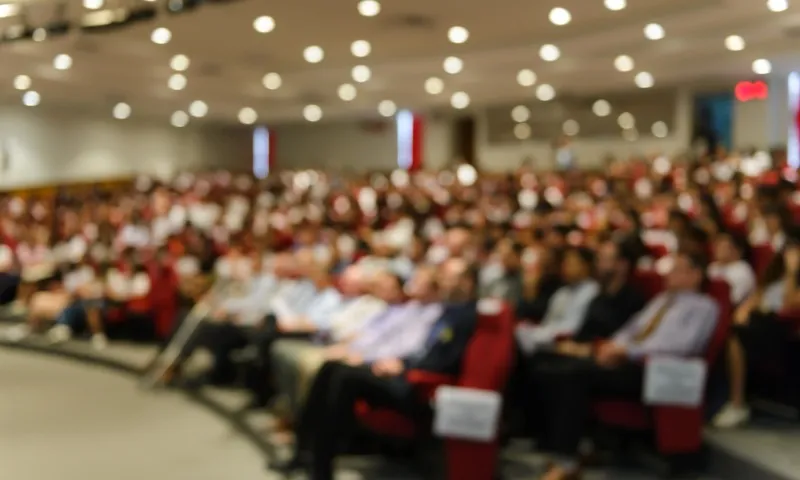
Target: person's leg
{"points": [[227, 338], [70, 321]]}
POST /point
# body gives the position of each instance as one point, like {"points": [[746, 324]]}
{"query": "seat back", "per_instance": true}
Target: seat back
{"points": [[649, 282], [719, 290], [761, 255], [489, 355]]}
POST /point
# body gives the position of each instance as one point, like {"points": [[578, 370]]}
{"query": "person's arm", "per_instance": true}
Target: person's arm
{"points": [[445, 355], [573, 316], [687, 335]]}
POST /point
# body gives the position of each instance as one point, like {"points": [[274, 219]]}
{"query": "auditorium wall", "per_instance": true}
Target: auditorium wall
{"points": [[41, 148]]}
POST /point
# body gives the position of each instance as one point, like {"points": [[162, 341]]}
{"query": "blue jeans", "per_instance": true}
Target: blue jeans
{"points": [[74, 316]]}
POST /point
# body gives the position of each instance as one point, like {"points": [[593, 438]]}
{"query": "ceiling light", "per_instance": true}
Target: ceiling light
{"points": [[734, 43], [361, 73], [520, 113], [624, 63], [179, 119], [560, 16], [272, 81], [626, 120], [264, 24], [434, 85], [9, 10], [777, 5], [762, 66], [453, 65], [369, 8], [522, 131], [458, 34], [545, 92], [161, 36], [526, 77], [312, 113], [198, 109], [660, 130], [347, 92], [654, 31], [177, 81], [313, 54], [247, 116], [22, 82], [459, 100], [601, 108], [179, 63], [62, 62], [571, 127], [39, 35], [615, 5], [31, 98], [549, 53], [360, 48], [644, 80], [387, 108], [121, 111], [92, 4]]}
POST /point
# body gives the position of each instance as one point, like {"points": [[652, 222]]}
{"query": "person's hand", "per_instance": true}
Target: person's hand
{"points": [[742, 315], [792, 259], [388, 367], [572, 349], [336, 352], [610, 354], [353, 359]]}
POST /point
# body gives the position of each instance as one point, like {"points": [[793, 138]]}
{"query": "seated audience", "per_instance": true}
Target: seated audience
{"points": [[729, 265], [501, 277], [541, 279]]}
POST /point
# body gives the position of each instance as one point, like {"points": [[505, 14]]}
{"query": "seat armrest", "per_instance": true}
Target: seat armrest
{"points": [[426, 383]]}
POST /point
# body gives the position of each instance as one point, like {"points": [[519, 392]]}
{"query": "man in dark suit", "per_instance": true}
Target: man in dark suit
{"points": [[328, 417]]}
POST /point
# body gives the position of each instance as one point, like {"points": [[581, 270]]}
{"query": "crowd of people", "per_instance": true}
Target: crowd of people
{"points": [[325, 289]]}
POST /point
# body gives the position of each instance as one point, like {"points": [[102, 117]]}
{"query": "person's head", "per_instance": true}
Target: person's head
{"points": [[577, 264], [457, 241], [555, 237], [775, 219], [508, 253], [320, 276], [694, 240], [388, 287], [688, 272], [614, 263], [678, 222], [422, 286], [729, 248], [457, 280], [351, 281], [284, 265]]}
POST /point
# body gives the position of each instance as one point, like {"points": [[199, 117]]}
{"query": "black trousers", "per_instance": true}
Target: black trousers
{"points": [[328, 419], [568, 386]]}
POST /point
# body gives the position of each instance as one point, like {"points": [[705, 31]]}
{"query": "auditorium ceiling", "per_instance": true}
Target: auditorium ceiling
{"points": [[249, 60]]}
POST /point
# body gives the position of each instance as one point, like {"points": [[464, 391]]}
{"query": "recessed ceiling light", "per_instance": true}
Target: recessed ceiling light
{"points": [[360, 48], [62, 62], [560, 16], [347, 92], [626, 120], [31, 98], [654, 31], [312, 113], [313, 54], [387, 108], [458, 34], [22, 82], [453, 65], [520, 113], [369, 8], [549, 53], [39, 35], [179, 119], [264, 24], [545, 92], [659, 130], [361, 73], [601, 108], [762, 66], [459, 100], [161, 36], [624, 63], [9, 10], [777, 5], [571, 127], [644, 80], [198, 109], [177, 81], [247, 116], [272, 81], [92, 4], [615, 5], [734, 43], [179, 63], [121, 111], [434, 85], [526, 77], [522, 131]]}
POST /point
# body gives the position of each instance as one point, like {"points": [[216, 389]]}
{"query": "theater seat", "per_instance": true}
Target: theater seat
{"points": [[487, 363], [678, 430], [164, 300], [761, 256], [649, 282]]}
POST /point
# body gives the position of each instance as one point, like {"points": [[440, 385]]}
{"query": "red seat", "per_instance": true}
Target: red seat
{"points": [[164, 300], [649, 282], [762, 256], [486, 365], [677, 429], [657, 250]]}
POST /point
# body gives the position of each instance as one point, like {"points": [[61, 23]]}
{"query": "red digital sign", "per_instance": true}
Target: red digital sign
{"points": [[748, 91]]}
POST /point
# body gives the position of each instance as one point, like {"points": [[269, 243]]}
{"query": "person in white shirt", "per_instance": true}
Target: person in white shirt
{"points": [[729, 265], [86, 286]]}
